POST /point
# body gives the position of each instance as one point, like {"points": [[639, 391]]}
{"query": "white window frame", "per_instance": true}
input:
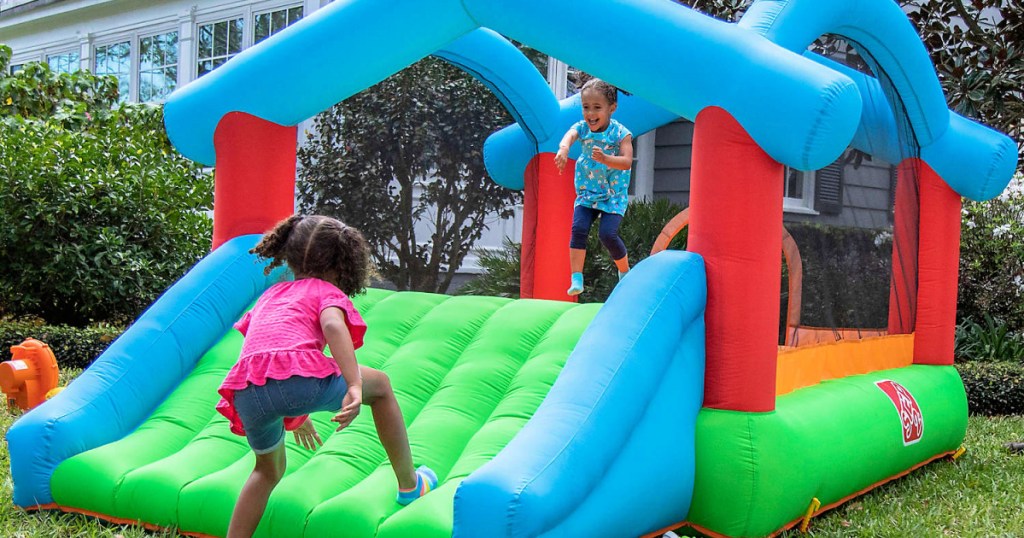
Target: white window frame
{"points": [[225, 18], [40, 53], [137, 56], [247, 12], [805, 204], [72, 50], [134, 38], [133, 50], [283, 7]]}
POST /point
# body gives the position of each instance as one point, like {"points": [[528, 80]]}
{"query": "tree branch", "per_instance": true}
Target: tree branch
{"points": [[972, 23]]}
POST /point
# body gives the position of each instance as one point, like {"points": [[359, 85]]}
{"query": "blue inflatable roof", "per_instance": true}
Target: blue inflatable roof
{"points": [[801, 110]]}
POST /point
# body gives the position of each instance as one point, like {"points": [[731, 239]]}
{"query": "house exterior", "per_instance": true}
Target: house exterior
{"points": [[156, 46], [846, 193]]}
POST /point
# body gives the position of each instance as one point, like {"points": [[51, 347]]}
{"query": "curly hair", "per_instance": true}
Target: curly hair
{"points": [[320, 247], [611, 93]]}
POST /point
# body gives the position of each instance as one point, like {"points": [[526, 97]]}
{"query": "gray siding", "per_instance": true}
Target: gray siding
{"points": [[672, 146], [867, 198]]}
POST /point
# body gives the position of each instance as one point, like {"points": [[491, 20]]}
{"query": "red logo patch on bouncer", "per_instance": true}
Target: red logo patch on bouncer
{"points": [[906, 406]]}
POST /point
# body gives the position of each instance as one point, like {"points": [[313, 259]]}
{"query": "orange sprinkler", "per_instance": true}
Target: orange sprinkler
{"points": [[30, 374]]}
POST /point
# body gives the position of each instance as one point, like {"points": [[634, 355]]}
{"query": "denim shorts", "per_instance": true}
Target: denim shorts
{"points": [[263, 408]]}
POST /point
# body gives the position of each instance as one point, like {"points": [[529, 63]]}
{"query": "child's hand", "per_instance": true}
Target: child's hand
{"points": [[307, 437], [560, 159], [598, 155], [349, 407]]}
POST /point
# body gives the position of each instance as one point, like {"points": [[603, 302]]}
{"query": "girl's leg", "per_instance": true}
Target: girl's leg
{"points": [[577, 256], [252, 501], [387, 417], [582, 220], [609, 235]]}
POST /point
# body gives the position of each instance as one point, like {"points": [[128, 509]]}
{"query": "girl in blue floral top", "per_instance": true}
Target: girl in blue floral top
{"points": [[602, 177]]}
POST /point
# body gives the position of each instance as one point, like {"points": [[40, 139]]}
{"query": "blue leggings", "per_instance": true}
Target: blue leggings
{"points": [[583, 219]]}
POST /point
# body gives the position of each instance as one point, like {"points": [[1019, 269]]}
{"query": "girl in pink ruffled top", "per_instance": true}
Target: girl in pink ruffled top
{"points": [[283, 374]]}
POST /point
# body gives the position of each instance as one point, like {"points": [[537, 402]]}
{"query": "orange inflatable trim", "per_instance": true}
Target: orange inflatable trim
{"points": [[29, 375], [810, 365]]}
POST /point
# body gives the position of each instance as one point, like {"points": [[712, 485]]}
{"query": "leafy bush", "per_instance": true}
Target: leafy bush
{"points": [[993, 388], [640, 228], [501, 272], [98, 214], [992, 258], [70, 99], [990, 340], [74, 347]]}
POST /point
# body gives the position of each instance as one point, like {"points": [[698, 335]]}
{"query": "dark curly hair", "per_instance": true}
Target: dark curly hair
{"points": [[607, 90], [595, 84], [319, 247]]}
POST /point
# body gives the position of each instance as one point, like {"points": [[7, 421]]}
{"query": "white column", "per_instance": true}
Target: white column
{"points": [[644, 188], [85, 52], [557, 73], [187, 46]]}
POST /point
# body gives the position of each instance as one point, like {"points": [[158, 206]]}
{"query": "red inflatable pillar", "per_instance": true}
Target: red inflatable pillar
{"points": [[254, 182], [938, 260], [547, 224], [735, 224]]}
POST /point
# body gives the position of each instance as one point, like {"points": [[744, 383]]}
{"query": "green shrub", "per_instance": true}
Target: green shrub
{"points": [[69, 99], [992, 258], [98, 213], [846, 274], [990, 340], [993, 388], [74, 347], [501, 272], [640, 228]]}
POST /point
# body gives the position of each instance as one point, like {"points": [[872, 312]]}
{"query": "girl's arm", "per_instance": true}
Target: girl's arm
{"points": [[563, 149], [622, 161], [339, 339], [332, 321]]}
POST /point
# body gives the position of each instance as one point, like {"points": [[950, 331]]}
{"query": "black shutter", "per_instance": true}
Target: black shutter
{"points": [[828, 189]]}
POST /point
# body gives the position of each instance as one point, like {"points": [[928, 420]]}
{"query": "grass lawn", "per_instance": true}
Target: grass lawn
{"points": [[981, 494]]}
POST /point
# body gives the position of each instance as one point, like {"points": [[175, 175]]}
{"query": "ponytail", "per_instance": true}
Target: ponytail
{"points": [[272, 246]]}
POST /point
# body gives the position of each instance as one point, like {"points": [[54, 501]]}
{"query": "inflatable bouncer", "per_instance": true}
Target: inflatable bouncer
{"points": [[672, 405]]}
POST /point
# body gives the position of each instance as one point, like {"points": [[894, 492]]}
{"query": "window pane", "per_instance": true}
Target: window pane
{"points": [[147, 54], [67, 62], [794, 183], [158, 66], [205, 41], [279, 20], [17, 67], [225, 40], [220, 39], [261, 29], [169, 48], [268, 24], [114, 60], [235, 37], [205, 67]]}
